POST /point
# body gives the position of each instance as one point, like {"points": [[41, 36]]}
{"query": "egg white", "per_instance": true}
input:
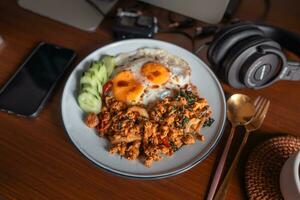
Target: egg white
{"points": [[133, 62]]}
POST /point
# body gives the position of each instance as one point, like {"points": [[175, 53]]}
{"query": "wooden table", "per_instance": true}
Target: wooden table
{"points": [[37, 161]]}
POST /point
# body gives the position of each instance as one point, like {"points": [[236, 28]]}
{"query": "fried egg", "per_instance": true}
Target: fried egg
{"points": [[147, 75]]}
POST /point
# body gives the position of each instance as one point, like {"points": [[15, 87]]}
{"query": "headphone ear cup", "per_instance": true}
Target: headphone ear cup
{"points": [[228, 37], [232, 62]]}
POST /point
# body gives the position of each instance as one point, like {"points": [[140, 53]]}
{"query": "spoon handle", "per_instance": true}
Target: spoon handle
{"points": [[222, 191], [220, 166]]}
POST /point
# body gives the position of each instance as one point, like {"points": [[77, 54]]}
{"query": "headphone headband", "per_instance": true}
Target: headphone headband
{"points": [[285, 38]]}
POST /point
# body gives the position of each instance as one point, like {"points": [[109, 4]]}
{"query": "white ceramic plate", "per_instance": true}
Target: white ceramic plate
{"points": [[95, 148]]}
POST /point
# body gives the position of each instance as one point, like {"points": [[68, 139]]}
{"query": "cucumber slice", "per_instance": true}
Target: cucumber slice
{"points": [[110, 63], [89, 102], [89, 98], [97, 87], [99, 71], [96, 71], [90, 78], [95, 66], [100, 89], [88, 88], [103, 74]]}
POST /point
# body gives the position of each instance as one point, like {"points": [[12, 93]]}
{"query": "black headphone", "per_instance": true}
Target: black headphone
{"points": [[250, 55]]}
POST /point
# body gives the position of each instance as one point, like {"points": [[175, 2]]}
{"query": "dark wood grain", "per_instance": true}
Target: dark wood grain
{"points": [[37, 161]]}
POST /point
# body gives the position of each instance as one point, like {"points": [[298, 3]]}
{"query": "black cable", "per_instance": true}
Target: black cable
{"points": [[175, 26], [227, 19], [94, 5], [201, 47], [267, 7], [175, 31], [206, 31], [170, 17], [186, 23]]}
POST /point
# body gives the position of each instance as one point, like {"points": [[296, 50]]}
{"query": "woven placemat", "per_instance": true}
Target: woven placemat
{"points": [[264, 165]]}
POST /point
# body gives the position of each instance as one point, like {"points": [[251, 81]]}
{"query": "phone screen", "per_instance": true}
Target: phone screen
{"points": [[27, 91]]}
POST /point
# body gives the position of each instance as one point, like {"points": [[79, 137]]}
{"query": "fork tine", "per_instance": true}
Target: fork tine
{"points": [[264, 112], [257, 100], [261, 108]]}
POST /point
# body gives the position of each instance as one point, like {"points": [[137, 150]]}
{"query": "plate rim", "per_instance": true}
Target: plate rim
{"points": [[148, 177]]}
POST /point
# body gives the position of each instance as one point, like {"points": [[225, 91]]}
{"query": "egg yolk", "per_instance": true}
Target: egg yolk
{"points": [[126, 88], [155, 72]]}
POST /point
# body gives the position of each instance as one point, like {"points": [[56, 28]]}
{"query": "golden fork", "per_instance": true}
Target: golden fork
{"points": [[261, 108]]}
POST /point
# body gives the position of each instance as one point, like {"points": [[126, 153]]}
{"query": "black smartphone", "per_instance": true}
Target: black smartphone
{"points": [[28, 89]]}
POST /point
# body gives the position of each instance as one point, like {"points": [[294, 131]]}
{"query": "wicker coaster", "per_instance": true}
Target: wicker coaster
{"points": [[264, 165]]}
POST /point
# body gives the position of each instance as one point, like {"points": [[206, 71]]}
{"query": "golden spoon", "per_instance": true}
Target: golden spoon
{"points": [[240, 110], [261, 109]]}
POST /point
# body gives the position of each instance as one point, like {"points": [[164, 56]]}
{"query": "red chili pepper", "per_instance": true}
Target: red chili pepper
{"points": [[166, 142], [106, 87]]}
